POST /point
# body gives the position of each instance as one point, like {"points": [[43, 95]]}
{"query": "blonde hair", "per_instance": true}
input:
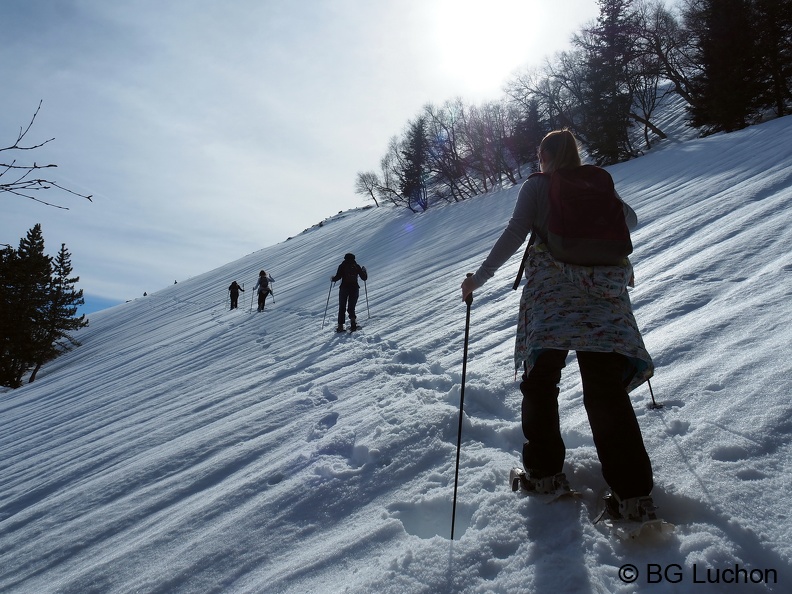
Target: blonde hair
{"points": [[558, 150]]}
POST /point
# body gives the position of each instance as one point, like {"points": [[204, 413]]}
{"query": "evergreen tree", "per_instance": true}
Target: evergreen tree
{"points": [[529, 132], [774, 54], [27, 295], [726, 89], [38, 304], [413, 182], [12, 332], [53, 333], [609, 49]]}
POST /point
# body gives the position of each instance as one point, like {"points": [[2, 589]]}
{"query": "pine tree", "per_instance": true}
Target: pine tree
{"points": [[53, 334], [12, 332], [528, 134], [726, 90], [774, 59], [609, 48], [26, 287], [413, 182], [38, 305]]}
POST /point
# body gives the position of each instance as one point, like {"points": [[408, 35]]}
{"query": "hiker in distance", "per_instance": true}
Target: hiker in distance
{"points": [[263, 289], [234, 289], [582, 308], [349, 291]]}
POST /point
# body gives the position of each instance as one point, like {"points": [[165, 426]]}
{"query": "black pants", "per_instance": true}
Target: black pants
{"points": [[617, 435], [347, 300], [262, 298], [234, 300]]}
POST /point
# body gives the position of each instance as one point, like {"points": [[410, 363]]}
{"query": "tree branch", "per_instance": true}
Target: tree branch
{"points": [[22, 185]]}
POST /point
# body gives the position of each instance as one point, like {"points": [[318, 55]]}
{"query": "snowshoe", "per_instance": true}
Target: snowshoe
{"points": [[630, 518], [550, 488]]}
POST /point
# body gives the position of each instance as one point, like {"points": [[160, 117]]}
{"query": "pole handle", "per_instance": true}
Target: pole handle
{"points": [[469, 298]]}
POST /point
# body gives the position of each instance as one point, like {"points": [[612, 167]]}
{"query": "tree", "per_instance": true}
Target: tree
{"points": [[609, 48], [26, 279], [53, 334], [20, 179], [13, 330], [662, 35], [366, 184], [528, 134], [774, 54], [489, 127], [445, 156], [39, 303], [726, 89], [414, 150]]}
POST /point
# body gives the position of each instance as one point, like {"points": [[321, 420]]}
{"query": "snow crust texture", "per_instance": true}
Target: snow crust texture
{"points": [[188, 448]]}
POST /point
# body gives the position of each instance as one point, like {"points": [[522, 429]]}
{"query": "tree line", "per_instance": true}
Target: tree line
{"points": [[38, 307], [730, 61]]}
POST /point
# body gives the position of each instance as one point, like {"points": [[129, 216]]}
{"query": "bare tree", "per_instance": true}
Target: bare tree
{"points": [[446, 163], [22, 179], [661, 34], [366, 184]]}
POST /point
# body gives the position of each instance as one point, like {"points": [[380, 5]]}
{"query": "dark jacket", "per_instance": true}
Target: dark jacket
{"points": [[348, 272]]}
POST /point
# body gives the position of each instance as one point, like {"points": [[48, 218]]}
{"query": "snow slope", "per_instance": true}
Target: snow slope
{"points": [[187, 448]]}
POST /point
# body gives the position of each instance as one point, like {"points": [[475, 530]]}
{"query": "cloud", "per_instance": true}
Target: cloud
{"points": [[205, 130]]}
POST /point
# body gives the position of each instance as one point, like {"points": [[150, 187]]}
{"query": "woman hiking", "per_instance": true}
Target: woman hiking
{"points": [[585, 309]]}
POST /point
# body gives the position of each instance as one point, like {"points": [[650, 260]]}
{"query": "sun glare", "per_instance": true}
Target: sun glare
{"points": [[483, 42]]}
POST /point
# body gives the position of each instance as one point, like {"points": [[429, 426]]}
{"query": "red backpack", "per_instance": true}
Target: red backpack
{"points": [[585, 224], [585, 221]]}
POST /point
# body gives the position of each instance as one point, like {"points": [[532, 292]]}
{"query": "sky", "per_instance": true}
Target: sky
{"points": [[188, 448], [206, 130]]}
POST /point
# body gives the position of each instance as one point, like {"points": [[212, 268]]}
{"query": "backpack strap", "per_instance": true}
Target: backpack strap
{"points": [[530, 241], [524, 259]]}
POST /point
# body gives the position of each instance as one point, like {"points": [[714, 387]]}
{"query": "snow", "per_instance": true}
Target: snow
{"points": [[187, 448]]}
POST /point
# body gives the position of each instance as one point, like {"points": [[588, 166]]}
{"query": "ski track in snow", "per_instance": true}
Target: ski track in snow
{"points": [[187, 448]]}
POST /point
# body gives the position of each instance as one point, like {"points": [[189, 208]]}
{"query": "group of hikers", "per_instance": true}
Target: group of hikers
{"points": [[262, 289], [348, 293], [566, 305]]}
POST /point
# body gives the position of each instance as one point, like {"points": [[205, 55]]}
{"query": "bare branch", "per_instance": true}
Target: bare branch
{"points": [[21, 185], [36, 199]]}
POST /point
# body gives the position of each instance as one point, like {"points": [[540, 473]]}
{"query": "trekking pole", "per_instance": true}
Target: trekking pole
{"points": [[365, 288], [327, 304], [651, 393], [469, 302], [252, 297]]}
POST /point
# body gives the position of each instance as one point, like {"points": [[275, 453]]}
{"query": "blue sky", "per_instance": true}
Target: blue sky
{"points": [[206, 130]]}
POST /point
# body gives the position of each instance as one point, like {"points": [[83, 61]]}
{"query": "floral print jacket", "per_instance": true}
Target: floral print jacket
{"points": [[564, 306], [579, 308]]}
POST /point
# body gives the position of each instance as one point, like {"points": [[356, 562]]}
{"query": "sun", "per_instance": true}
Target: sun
{"points": [[482, 42]]}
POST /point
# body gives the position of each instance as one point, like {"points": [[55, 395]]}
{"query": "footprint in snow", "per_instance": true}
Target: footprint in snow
{"points": [[322, 426], [328, 396]]}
